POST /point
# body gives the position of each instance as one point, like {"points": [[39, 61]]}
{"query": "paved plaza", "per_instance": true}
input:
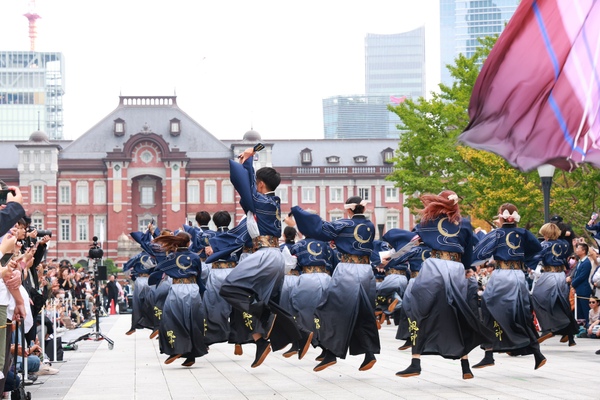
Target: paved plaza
{"points": [[134, 369]]}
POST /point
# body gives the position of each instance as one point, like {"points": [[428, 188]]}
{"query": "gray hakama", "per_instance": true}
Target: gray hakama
{"points": [[143, 313], [506, 309], [182, 322], [346, 319], [550, 299], [157, 298], [310, 291], [440, 318], [285, 298], [216, 309]]}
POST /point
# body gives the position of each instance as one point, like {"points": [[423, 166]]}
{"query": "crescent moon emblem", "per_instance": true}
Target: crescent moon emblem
{"points": [[508, 242], [143, 259], [183, 267], [312, 252], [556, 253], [425, 256], [443, 231], [357, 237], [278, 215]]}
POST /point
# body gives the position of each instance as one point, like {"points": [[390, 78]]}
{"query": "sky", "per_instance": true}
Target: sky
{"points": [[234, 65]]}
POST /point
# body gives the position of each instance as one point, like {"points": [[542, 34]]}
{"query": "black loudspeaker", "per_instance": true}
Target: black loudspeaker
{"points": [[102, 273]]}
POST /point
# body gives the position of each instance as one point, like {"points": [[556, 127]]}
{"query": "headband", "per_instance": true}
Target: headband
{"points": [[453, 197], [352, 206], [514, 217]]}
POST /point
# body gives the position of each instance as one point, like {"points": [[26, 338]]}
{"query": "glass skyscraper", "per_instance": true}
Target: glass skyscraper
{"points": [[394, 71], [463, 22], [32, 86]]}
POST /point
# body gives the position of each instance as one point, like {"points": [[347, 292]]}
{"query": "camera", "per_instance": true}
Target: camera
{"points": [[95, 251], [44, 232]]}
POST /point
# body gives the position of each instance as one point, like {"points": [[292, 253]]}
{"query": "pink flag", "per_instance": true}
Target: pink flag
{"points": [[536, 100]]}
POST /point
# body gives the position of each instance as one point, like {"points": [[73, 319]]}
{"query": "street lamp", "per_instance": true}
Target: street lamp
{"points": [[380, 219], [546, 173]]}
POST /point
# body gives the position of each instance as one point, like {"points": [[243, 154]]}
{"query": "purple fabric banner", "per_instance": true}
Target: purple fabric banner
{"points": [[536, 100]]}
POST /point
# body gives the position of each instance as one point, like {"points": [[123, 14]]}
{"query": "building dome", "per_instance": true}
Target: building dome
{"points": [[252, 136], [123, 237], [39, 137]]}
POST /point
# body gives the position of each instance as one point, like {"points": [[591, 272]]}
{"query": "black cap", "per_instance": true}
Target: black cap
{"points": [[556, 218]]}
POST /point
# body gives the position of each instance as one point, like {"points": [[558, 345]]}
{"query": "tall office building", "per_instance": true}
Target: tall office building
{"points": [[32, 86], [462, 23], [395, 64], [394, 70]]}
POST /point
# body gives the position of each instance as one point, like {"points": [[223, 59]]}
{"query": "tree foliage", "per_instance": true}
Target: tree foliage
{"points": [[429, 159]]}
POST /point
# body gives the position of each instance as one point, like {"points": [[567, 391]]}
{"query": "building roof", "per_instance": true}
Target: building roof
{"points": [[150, 114], [287, 152]]}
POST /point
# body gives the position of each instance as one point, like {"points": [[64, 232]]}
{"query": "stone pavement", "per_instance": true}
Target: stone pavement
{"points": [[134, 369]]}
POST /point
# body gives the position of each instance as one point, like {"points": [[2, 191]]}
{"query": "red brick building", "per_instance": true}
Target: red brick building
{"points": [[149, 160]]}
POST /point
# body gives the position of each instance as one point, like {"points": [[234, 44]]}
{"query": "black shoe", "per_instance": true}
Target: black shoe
{"points": [[292, 351], [540, 360], [572, 342], [414, 369], [263, 348], [321, 356], [189, 362], [328, 361], [304, 343], [154, 334], [486, 361], [172, 358], [597, 352], [406, 345], [545, 337], [466, 371], [368, 362], [32, 377], [130, 332]]}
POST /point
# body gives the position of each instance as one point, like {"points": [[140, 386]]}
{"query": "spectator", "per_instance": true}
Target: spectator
{"points": [[112, 292], [593, 330], [580, 281]]}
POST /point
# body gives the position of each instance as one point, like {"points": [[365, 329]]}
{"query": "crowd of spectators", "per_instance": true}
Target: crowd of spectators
{"points": [[35, 290]]}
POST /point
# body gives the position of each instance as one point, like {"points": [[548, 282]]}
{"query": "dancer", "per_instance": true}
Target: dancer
{"points": [[141, 266], [345, 321], [182, 322], [441, 319], [550, 295], [505, 304], [252, 285]]}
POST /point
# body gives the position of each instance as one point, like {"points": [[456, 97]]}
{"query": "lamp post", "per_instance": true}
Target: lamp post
{"points": [[546, 173], [380, 219]]}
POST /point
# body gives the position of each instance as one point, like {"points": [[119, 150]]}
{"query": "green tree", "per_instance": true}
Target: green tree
{"points": [[111, 268]]}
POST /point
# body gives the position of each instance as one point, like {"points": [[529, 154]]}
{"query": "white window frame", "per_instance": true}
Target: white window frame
{"points": [[336, 194], [282, 193], [82, 193], [335, 215], [144, 220], [227, 193], [64, 192], [143, 194], [193, 192], [99, 221], [210, 192], [392, 221], [394, 197], [64, 226], [99, 193], [82, 228], [37, 221], [309, 194], [362, 191], [37, 194]]}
